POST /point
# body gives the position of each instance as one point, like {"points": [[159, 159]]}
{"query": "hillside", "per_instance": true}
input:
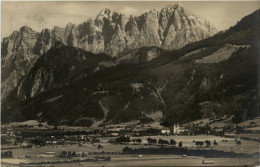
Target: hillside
{"points": [[207, 78]]}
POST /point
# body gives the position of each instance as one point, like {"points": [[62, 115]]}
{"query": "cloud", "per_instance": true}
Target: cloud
{"points": [[38, 19], [128, 11]]}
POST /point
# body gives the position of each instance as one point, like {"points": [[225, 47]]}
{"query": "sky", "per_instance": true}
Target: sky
{"points": [[46, 14]]}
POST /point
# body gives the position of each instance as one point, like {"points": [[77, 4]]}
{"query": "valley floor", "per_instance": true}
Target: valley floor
{"points": [[34, 154]]}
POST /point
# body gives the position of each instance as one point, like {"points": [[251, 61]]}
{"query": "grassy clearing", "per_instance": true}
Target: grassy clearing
{"points": [[220, 55]]}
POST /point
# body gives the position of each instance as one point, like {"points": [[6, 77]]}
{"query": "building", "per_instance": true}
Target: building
{"points": [[165, 131], [176, 129]]}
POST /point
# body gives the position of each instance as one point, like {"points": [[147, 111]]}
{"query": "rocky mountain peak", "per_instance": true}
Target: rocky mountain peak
{"points": [[153, 11], [106, 13], [46, 30], [110, 32], [173, 7], [25, 29], [179, 4], [69, 26], [11, 36]]}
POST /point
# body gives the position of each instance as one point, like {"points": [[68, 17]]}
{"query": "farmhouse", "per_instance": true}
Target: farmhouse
{"points": [[165, 131]]}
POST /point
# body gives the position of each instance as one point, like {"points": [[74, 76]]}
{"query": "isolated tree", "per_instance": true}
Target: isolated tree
{"points": [[238, 142], [73, 154], [83, 154], [199, 143], [63, 154], [180, 144], [126, 149], [173, 142], [163, 142], [160, 141], [208, 143], [149, 140], [99, 147], [215, 143], [69, 154]]}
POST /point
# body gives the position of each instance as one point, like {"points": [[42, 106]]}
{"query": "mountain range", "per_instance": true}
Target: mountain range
{"points": [[165, 61], [110, 33]]}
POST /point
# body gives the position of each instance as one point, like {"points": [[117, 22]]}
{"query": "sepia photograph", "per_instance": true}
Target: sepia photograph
{"points": [[130, 83]]}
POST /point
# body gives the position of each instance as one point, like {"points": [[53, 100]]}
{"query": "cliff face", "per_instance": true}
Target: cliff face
{"points": [[110, 33], [18, 56], [180, 27]]}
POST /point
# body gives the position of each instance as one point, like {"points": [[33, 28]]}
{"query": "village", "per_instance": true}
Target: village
{"points": [[32, 142]]}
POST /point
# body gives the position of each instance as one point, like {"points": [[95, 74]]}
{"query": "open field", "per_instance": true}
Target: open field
{"points": [[247, 147], [118, 159], [163, 160], [13, 161], [249, 135], [222, 54], [256, 120]]}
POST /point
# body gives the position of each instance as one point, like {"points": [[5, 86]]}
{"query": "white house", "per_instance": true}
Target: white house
{"points": [[165, 131]]}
